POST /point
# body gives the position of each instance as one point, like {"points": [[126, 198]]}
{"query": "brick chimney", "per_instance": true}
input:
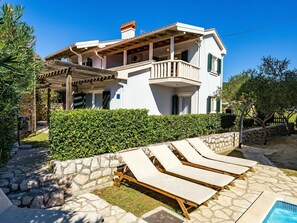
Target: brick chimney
{"points": [[128, 30]]}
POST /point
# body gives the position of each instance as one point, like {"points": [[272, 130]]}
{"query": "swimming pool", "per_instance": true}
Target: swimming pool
{"points": [[282, 212]]}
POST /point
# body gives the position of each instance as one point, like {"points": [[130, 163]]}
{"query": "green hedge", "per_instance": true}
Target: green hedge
{"points": [[85, 133], [227, 121], [248, 122]]}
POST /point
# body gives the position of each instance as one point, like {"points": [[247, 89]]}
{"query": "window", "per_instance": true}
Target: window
{"points": [[94, 100], [213, 104], [185, 105], [214, 64], [181, 104], [88, 63]]}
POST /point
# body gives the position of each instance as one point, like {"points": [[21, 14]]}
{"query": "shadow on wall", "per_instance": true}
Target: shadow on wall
{"points": [[163, 98]]}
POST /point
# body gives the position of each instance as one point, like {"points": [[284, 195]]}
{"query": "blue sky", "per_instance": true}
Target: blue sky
{"points": [[59, 23]]}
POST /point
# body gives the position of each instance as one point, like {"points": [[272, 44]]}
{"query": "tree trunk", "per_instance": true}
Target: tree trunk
{"points": [[264, 133], [287, 126]]}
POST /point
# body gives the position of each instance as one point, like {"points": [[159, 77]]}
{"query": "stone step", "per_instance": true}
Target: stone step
{"points": [[38, 198]]}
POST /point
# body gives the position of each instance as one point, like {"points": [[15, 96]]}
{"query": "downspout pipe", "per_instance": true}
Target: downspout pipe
{"points": [[77, 54], [101, 58]]}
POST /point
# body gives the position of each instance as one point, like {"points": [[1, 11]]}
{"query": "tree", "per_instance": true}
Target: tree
{"points": [[18, 69], [230, 89], [269, 90]]}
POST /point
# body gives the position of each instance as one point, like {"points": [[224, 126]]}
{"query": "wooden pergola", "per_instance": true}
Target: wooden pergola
{"points": [[57, 75]]}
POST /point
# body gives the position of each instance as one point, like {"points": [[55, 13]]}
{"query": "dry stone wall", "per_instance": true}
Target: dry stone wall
{"points": [[94, 171], [89, 172], [256, 134]]}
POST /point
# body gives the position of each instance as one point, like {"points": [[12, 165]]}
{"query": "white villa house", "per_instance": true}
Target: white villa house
{"points": [[176, 69]]}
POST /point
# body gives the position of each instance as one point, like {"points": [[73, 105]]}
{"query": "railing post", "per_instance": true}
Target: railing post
{"points": [[169, 69], [179, 69], [153, 71]]}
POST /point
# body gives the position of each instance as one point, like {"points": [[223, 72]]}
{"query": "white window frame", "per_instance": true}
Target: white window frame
{"points": [[214, 64], [213, 105]]}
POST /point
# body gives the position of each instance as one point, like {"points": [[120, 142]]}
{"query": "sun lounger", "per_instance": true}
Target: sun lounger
{"points": [[173, 166], [146, 174], [193, 158], [205, 151]]}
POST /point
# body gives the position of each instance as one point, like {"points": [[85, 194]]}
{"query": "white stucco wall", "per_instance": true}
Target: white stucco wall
{"points": [[138, 93], [210, 82]]}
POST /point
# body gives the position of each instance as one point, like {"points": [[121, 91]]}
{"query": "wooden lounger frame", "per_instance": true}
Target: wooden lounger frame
{"points": [[185, 205], [186, 162]]}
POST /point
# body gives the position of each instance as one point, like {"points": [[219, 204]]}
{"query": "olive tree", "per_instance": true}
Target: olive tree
{"points": [[18, 69], [269, 90]]}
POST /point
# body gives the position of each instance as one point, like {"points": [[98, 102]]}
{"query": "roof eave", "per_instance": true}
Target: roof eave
{"points": [[217, 38]]}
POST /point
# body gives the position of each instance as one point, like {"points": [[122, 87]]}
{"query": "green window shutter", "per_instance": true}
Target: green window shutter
{"points": [[106, 100], [209, 62], [219, 66], [218, 105], [208, 104], [174, 104], [79, 100]]}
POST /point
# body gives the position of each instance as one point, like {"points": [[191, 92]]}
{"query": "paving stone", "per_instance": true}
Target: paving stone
{"points": [[128, 218], [116, 210], [220, 214], [14, 187], [241, 203]]}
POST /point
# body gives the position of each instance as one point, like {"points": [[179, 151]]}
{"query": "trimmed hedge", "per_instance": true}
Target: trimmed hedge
{"points": [[248, 122], [174, 127], [86, 132], [227, 121]]}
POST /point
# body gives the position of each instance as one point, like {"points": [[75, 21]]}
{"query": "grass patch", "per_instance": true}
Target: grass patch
{"points": [[236, 153], [37, 141], [289, 172], [135, 199]]}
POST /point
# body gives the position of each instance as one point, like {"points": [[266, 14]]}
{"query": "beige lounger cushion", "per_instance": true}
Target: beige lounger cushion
{"points": [[203, 149], [172, 164], [194, 157], [140, 165]]}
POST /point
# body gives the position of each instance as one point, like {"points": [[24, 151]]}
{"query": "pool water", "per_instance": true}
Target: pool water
{"points": [[282, 212]]}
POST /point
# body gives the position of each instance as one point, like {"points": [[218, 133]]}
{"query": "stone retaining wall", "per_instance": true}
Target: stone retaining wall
{"points": [[88, 172], [222, 142], [256, 134], [98, 170], [94, 171]]}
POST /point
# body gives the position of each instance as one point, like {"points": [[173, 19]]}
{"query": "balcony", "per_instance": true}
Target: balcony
{"points": [[174, 73]]}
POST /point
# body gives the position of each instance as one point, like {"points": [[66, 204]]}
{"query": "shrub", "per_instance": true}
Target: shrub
{"points": [[227, 121], [248, 122], [173, 127], [84, 133]]}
